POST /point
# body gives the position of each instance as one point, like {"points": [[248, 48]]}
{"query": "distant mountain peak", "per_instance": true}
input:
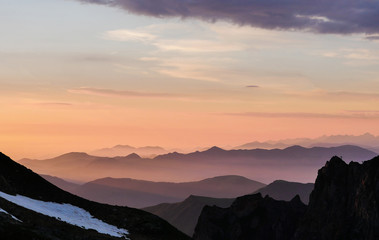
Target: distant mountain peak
{"points": [[123, 146], [133, 156], [74, 154], [215, 149], [295, 147]]}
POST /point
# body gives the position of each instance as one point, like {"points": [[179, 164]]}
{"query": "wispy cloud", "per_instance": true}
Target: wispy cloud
{"points": [[129, 35], [338, 16], [344, 115], [336, 95], [124, 94], [354, 55], [54, 104], [144, 35], [252, 86], [373, 38]]}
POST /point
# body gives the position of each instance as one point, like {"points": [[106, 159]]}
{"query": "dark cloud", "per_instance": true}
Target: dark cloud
{"points": [[320, 16], [252, 86]]}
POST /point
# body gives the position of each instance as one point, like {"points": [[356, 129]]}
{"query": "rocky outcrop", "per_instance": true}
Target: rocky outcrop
{"points": [[251, 217], [344, 203]]}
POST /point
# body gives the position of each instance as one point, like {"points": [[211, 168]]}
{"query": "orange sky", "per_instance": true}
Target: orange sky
{"points": [[42, 129], [106, 77]]}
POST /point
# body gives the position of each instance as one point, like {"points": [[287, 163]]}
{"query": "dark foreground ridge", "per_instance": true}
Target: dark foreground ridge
{"points": [[251, 217], [343, 205], [16, 179]]}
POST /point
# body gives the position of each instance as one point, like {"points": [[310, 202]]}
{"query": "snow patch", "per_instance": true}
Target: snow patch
{"points": [[66, 213], [3, 211]]}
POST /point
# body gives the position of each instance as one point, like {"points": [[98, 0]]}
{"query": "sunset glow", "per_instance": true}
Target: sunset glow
{"points": [[76, 76]]}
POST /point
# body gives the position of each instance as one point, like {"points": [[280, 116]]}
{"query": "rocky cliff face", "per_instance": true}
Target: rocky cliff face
{"points": [[344, 203], [250, 217]]}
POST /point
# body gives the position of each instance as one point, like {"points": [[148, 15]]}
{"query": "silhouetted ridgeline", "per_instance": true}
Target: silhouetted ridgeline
{"points": [[251, 217], [343, 205]]}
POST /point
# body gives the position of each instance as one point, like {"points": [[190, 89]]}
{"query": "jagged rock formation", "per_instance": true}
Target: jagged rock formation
{"points": [[344, 203], [250, 217]]}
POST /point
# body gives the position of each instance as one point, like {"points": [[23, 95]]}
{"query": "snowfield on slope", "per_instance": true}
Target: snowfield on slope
{"points": [[66, 213], [3, 211]]}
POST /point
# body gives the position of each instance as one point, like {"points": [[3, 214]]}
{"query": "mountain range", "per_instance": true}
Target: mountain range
{"points": [[259, 164], [140, 193], [124, 150], [342, 205], [366, 140]]}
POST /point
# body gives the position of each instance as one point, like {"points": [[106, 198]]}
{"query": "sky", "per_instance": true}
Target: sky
{"points": [[78, 75]]}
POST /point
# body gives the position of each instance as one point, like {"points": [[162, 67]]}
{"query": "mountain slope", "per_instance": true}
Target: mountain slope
{"points": [[184, 215], [283, 190], [16, 179], [62, 184]]}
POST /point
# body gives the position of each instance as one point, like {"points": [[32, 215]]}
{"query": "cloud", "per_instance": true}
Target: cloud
{"points": [[252, 86], [335, 96], [144, 35], [345, 115], [54, 104], [373, 38], [129, 35], [119, 93], [322, 16]]}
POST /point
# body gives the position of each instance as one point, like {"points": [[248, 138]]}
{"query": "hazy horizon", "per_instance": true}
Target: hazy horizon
{"points": [[45, 154], [80, 75]]}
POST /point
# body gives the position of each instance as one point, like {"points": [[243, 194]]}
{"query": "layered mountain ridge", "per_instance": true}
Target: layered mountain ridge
{"points": [[215, 161]]}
